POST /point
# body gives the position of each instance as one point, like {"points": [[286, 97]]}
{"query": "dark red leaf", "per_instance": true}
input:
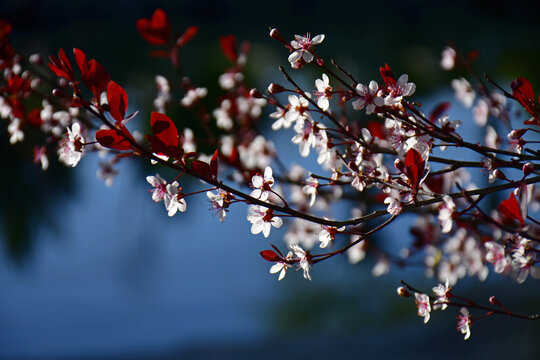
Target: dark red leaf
{"points": [[228, 46], [157, 30], [164, 129], [5, 28], [80, 58], [269, 255], [201, 169], [376, 129], [523, 92], [34, 117], [435, 183], [112, 139], [96, 79], [511, 209], [187, 36], [415, 166], [387, 75], [118, 101], [61, 66], [164, 140], [439, 110]]}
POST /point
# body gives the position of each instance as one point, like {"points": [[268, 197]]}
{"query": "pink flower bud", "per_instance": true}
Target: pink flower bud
{"points": [[275, 34], [499, 174], [274, 88], [528, 168], [494, 300], [401, 291], [254, 93], [516, 133]]}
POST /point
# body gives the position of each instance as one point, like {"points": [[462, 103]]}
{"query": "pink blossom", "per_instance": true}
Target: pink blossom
{"points": [[367, 97], [262, 185], [324, 92], [262, 220], [302, 46], [496, 255], [464, 322], [423, 305]]}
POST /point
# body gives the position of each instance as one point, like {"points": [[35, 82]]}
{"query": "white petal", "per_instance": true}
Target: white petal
{"points": [[317, 39]]}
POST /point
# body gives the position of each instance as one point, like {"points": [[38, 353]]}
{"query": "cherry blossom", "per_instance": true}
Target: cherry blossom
{"points": [[448, 58], [15, 132], [281, 267], [40, 156], [302, 48], [327, 234], [324, 92], [497, 256], [262, 185], [262, 220], [441, 291], [220, 202], [160, 187], [367, 97], [464, 91], [168, 193], [193, 95], [446, 214], [174, 200], [71, 148], [304, 263], [464, 322], [398, 90], [423, 305]]}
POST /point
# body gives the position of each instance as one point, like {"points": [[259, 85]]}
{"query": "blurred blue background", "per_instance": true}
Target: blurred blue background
{"points": [[88, 271]]}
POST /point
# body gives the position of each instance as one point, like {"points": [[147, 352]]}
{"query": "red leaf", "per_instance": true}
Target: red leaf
{"points": [[415, 167], [228, 46], [376, 129], [187, 36], [201, 169], [164, 129], [269, 255], [164, 140], [511, 209], [523, 92], [214, 166], [34, 117], [61, 66], [96, 79], [157, 30], [439, 109], [112, 139], [118, 101], [5, 28], [80, 58], [387, 75]]}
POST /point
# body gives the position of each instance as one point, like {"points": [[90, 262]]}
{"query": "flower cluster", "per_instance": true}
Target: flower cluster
{"points": [[371, 143]]}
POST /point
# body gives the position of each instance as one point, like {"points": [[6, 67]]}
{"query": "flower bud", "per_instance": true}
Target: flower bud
{"points": [[494, 301], [35, 59], [58, 93], [274, 88], [516, 133], [401, 291], [254, 93], [499, 174], [275, 34], [528, 168]]}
